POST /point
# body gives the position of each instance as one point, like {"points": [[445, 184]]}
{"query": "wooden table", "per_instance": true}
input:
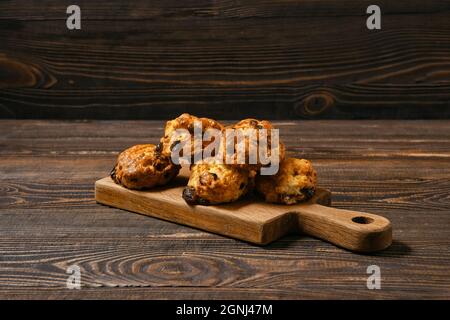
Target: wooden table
{"points": [[49, 219]]}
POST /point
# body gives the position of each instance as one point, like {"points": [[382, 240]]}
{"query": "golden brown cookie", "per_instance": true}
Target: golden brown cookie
{"points": [[247, 127], [295, 182], [143, 166], [212, 183], [186, 121]]}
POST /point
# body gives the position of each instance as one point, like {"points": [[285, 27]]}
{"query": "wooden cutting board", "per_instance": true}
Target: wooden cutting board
{"points": [[252, 219]]}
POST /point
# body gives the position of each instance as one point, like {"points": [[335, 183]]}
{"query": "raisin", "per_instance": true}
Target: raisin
{"points": [[159, 147], [242, 186], [308, 192], [189, 195]]}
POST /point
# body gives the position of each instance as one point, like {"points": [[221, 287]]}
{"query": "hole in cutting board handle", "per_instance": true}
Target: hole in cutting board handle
{"points": [[362, 220]]}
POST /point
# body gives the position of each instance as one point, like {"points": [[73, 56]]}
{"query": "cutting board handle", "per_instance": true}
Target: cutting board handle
{"points": [[356, 231]]}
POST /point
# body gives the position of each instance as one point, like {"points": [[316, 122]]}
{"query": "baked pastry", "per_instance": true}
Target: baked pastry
{"points": [[171, 139], [214, 183], [295, 182], [247, 127], [143, 166]]}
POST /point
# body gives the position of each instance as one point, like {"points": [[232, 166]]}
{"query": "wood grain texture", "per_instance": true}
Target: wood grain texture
{"points": [[225, 59], [49, 219]]}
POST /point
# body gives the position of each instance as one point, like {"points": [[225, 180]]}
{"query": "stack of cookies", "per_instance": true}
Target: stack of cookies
{"points": [[220, 179]]}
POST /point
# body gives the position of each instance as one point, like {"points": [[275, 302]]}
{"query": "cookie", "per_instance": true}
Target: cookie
{"points": [[295, 182], [173, 140], [213, 183], [247, 127], [143, 166]]}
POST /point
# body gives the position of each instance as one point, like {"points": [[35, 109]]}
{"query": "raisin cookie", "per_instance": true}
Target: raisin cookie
{"points": [[295, 182], [143, 166], [173, 139], [248, 127], [214, 183]]}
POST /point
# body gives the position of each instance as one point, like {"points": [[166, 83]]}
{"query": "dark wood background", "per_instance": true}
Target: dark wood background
{"points": [[225, 59]]}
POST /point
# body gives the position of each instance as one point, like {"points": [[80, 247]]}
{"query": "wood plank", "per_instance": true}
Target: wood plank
{"points": [[289, 59], [219, 9], [143, 293], [291, 266]]}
